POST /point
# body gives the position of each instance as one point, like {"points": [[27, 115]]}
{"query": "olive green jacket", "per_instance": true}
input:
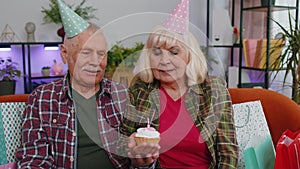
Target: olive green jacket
{"points": [[210, 107]]}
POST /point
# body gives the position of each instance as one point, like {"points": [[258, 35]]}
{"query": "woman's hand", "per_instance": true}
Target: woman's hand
{"points": [[142, 154]]}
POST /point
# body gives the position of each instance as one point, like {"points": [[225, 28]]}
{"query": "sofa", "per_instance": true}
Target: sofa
{"points": [[14, 98], [11, 112], [281, 112]]}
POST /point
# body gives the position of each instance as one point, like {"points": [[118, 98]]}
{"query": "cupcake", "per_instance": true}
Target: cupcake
{"points": [[147, 134]]}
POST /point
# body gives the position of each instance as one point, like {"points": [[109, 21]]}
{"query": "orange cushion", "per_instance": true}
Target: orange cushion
{"points": [[14, 98]]}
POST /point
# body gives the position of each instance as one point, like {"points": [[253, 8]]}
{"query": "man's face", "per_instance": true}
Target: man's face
{"points": [[87, 59]]}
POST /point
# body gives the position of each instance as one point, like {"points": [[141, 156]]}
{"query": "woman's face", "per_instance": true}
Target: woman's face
{"points": [[169, 65]]}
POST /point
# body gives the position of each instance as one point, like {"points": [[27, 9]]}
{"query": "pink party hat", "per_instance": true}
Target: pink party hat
{"points": [[178, 20]]}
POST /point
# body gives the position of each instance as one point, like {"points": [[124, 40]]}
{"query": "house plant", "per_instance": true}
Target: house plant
{"points": [[289, 58], [265, 2], [9, 72], [46, 70], [118, 53], [52, 15]]}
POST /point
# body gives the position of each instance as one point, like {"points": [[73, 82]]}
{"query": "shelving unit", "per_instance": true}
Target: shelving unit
{"points": [[24, 51], [29, 76], [267, 35]]}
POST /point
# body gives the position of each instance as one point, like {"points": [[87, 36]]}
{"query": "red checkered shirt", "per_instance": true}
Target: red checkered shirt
{"points": [[49, 125]]}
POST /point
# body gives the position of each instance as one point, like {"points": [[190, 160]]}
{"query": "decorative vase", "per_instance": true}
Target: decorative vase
{"points": [[45, 72], [7, 87], [61, 32], [57, 68]]}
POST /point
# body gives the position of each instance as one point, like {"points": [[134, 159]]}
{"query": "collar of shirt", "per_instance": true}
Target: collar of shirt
{"points": [[105, 87]]}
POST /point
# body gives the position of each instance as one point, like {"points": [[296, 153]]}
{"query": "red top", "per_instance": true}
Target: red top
{"points": [[181, 143]]}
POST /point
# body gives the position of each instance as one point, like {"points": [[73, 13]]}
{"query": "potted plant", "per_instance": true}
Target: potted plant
{"points": [[52, 14], [121, 61], [117, 54], [46, 70], [9, 72], [265, 2], [289, 58]]}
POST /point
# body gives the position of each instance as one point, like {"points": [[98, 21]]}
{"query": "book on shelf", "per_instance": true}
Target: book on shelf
{"points": [[261, 53], [249, 47]]}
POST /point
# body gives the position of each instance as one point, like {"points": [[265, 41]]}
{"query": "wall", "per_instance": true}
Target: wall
{"points": [[129, 22], [132, 16]]}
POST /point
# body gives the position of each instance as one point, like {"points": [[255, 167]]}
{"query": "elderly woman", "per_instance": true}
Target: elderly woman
{"points": [[191, 110]]}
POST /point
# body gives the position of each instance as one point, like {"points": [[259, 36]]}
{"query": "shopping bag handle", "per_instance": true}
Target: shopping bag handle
{"points": [[248, 118]]}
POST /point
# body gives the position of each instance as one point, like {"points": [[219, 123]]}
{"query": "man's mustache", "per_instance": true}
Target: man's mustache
{"points": [[91, 68]]}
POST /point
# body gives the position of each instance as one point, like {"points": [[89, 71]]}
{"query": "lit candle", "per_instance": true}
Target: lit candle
{"points": [[148, 123]]}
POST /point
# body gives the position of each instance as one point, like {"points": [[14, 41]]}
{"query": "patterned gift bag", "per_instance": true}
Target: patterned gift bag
{"points": [[251, 125], [3, 157], [11, 118]]}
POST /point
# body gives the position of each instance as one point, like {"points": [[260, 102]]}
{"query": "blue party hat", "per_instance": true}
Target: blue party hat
{"points": [[72, 22]]}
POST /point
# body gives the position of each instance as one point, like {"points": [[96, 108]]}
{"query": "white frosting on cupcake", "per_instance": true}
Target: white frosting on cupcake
{"points": [[147, 132]]}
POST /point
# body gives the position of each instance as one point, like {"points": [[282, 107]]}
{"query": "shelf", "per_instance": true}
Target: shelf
{"points": [[265, 8], [28, 43], [40, 76], [43, 43], [260, 69], [252, 85], [226, 46], [252, 68]]}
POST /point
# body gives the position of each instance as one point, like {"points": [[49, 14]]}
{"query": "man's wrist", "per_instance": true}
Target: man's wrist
{"points": [[142, 167], [151, 166], [146, 167]]}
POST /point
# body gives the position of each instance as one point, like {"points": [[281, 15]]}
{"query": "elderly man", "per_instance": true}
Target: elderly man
{"points": [[73, 122]]}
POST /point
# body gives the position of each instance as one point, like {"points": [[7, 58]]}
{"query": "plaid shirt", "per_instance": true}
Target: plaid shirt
{"points": [[209, 105], [50, 125]]}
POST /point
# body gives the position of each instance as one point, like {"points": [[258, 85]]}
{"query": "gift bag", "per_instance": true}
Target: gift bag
{"points": [[288, 151], [3, 156], [253, 136], [10, 131], [259, 153]]}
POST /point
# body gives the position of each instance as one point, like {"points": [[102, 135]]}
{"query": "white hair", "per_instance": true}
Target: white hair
{"points": [[197, 68]]}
